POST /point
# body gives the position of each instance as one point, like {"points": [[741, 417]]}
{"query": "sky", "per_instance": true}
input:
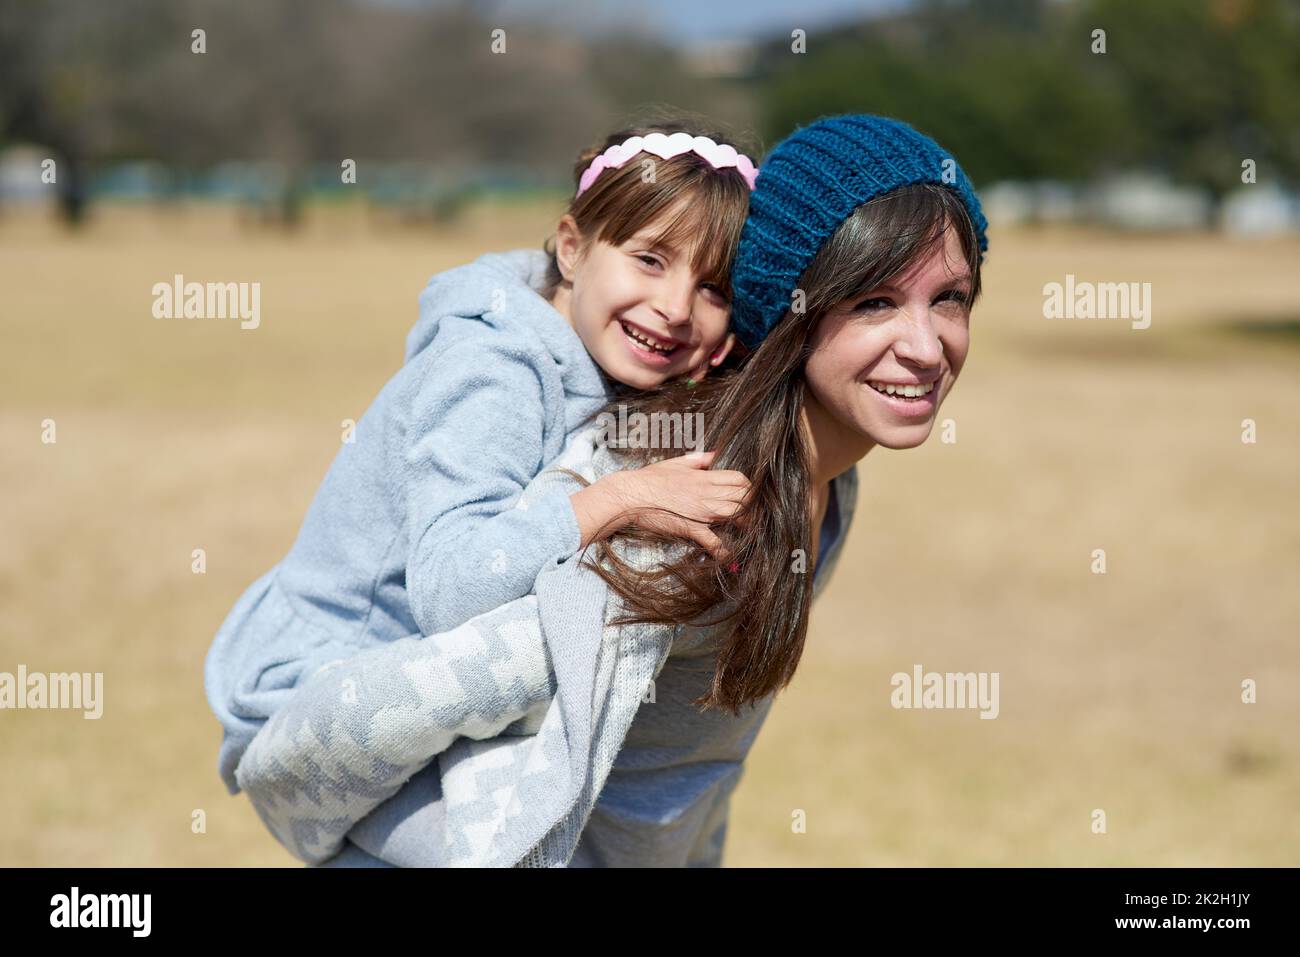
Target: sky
{"points": [[686, 22]]}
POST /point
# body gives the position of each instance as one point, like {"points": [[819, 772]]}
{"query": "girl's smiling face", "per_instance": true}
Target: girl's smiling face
{"points": [[911, 334], [641, 310]]}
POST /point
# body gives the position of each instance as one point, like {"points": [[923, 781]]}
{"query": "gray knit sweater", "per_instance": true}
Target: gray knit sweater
{"points": [[525, 709]]}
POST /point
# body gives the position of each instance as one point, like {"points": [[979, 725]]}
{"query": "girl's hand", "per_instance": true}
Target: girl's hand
{"points": [[684, 485]]}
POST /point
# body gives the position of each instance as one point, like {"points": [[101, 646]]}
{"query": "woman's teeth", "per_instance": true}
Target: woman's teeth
{"points": [[646, 342], [903, 391]]}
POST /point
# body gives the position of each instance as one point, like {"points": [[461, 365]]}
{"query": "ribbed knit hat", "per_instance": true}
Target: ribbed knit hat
{"points": [[808, 186]]}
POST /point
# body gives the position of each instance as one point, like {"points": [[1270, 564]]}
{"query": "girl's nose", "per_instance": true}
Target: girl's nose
{"points": [[676, 303]]}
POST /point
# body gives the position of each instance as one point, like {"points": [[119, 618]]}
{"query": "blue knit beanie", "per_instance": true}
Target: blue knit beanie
{"points": [[808, 186]]}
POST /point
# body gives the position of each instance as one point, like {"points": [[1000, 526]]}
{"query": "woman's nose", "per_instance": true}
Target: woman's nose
{"points": [[919, 341]]}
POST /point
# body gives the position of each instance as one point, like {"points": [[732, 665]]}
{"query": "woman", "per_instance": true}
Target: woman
{"points": [[857, 269]]}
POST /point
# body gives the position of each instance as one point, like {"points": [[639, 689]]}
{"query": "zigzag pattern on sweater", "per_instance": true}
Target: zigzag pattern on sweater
{"points": [[361, 728]]}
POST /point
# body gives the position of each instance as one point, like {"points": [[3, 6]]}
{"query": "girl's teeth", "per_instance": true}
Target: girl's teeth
{"points": [[903, 391], [643, 341]]}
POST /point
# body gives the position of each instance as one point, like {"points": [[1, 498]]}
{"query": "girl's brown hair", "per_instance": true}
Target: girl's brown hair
{"points": [[752, 417], [620, 202]]}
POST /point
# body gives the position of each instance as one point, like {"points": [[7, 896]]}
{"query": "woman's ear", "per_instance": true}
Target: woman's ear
{"points": [[568, 246]]}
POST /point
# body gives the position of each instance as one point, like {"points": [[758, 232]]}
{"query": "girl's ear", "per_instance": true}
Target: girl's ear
{"points": [[568, 246], [723, 350], [717, 357]]}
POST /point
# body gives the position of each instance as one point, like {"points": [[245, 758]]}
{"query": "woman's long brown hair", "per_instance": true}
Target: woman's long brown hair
{"points": [[752, 418]]}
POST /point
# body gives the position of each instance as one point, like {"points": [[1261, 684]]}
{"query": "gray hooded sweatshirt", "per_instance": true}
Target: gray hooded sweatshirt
{"points": [[414, 529]]}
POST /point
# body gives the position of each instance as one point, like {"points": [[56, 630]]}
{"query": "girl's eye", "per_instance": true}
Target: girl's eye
{"points": [[714, 291], [872, 305], [648, 259], [953, 295]]}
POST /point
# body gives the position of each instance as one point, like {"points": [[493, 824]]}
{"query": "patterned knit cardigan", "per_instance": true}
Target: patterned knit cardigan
{"points": [[524, 707]]}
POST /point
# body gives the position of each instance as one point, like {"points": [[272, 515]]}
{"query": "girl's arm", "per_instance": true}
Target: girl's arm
{"points": [[358, 729], [680, 496], [476, 542], [476, 437]]}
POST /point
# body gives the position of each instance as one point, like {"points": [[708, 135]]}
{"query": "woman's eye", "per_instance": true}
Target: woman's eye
{"points": [[872, 305], [953, 295]]}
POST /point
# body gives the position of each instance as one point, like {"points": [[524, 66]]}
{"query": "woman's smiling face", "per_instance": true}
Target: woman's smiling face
{"points": [[909, 336]]}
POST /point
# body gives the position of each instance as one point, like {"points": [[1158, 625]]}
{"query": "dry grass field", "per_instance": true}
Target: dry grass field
{"points": [[1119, 691]]}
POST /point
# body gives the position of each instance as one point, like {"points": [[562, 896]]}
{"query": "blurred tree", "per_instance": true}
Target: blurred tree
{"points": [[1212, 81], [1012, 86], [994, 82], [296, 82], [56, 86]]}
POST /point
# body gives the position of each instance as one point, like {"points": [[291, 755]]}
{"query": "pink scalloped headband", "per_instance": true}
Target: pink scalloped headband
{"points": [[719, 155]]}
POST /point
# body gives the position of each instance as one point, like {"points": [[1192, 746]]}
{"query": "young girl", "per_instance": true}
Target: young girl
{"points": [[857, 270], [415, 527]]}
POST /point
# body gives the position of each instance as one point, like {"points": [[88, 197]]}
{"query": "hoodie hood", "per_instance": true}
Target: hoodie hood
{"points": [[477, 288]]}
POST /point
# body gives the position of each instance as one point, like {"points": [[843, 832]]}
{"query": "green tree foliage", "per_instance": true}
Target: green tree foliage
{"points": [[1191, 87]]}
